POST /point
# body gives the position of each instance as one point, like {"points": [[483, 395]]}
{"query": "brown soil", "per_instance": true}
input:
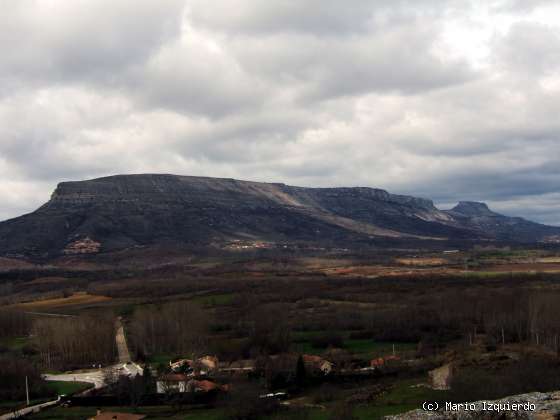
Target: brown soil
{"points": [[76, 299], [524, 267], [422, 262], [13, 264]]}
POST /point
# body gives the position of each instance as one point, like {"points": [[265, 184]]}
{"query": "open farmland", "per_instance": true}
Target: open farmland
{"points": [[75, 300], [351, 312]]}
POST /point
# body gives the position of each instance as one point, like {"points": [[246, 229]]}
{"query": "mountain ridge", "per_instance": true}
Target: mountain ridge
{"points": [[123, 211]]}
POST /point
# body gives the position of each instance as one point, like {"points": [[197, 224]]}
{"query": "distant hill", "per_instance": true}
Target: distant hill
{"points": [[123, 211]]}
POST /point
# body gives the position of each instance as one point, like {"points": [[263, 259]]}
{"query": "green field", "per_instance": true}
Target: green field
{"points": [[7, 406], [405, 396], [373, 348], [153, 413], [67, 388], [161, 359], [14, 343], [367, 348], [215, 300], [59, 387]]}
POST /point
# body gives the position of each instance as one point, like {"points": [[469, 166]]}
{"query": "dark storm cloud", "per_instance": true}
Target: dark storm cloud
{"points": [[440, 98]]}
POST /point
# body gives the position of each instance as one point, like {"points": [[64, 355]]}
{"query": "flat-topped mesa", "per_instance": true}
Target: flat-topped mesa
{"points": [[194, 189], [123, 211], [128, 185], [472, 208], [151, 188]]}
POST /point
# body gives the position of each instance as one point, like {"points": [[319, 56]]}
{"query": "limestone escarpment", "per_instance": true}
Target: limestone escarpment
{"points": [[128, 210]]}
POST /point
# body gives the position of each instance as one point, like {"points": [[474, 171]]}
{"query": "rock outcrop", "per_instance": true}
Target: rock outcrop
{"points": [[534, 406], [441, 377], [479, 218]]}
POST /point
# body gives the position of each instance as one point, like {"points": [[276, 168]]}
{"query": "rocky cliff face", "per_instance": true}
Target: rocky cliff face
{"points": [[121, 211], [479, 218], [473, 209], [534, 406]]}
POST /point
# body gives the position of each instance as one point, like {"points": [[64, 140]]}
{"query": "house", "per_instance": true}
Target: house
{"points": [[206, 364], [82, 246], [180, 364], [441, 377], [202, 366], [179, 383], [382, 361], [317, 363], [111, 415], [245, 365], [205, 386], [173, 382]]}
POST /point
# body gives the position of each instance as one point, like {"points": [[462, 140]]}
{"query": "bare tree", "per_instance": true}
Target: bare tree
{"points": [[179, 327], [74, 342]]}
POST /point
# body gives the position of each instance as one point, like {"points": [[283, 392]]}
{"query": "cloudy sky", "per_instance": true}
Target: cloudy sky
{"points": [[451, 100]]}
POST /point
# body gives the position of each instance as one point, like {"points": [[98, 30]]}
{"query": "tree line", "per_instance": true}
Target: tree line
{"points": [[66, 343]]}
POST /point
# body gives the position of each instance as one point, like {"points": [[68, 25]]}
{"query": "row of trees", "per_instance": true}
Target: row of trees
{"points": [[528, 318], [14, 323], [13, 372], [529, 374], [434, 318], [184, 328], [503, 316], [65, 343], [174, 328]]}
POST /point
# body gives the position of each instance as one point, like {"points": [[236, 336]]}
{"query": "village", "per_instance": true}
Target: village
{"points": [[206, 380], [207, 374]]}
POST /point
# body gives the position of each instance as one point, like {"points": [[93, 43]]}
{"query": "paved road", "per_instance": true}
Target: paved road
{"points": [[97, 377], [28, 410], [122, 348], [50, 314]]}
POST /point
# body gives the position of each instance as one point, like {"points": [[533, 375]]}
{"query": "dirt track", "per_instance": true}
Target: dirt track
{"points": [[122, 347]]}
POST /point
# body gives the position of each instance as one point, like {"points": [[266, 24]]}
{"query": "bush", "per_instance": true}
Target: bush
{"points": [[525, 375], [29, 350], [325, 394], [13, 371], [220, 327], [244, 404], [342, 411]]}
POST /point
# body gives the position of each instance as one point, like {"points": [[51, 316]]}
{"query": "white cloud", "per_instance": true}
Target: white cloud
{"points": [[443, 98]]}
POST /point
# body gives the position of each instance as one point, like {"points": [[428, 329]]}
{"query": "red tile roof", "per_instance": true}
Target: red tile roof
{"points": [[206, 386], [310, 358]]}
